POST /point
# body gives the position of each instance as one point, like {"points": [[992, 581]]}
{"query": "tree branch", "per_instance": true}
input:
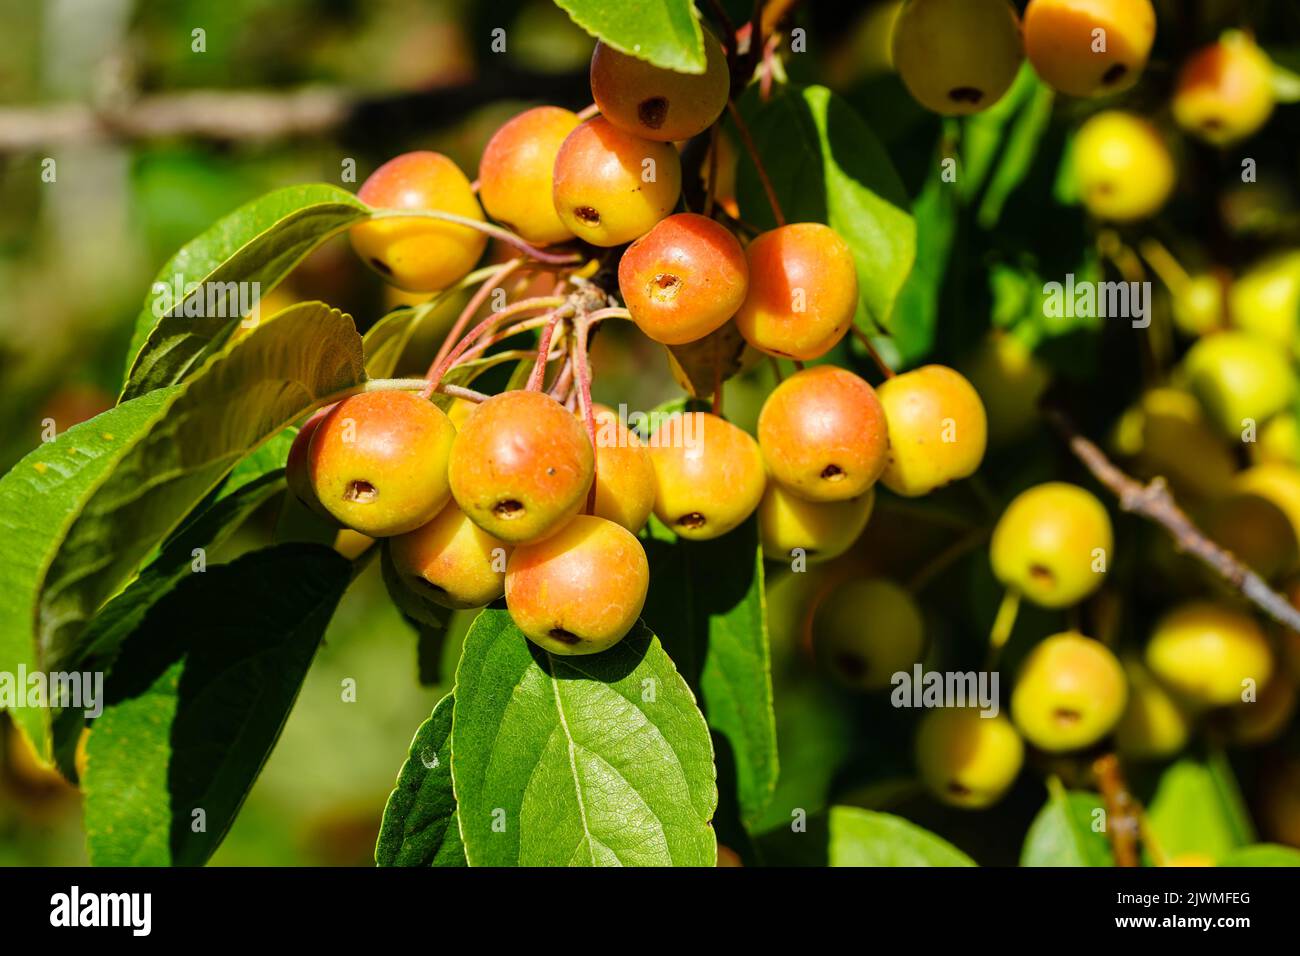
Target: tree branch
{"points": [[1155, 502], [236, 115]]}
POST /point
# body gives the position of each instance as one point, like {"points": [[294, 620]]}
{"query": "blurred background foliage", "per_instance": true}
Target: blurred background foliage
{"points": [[77, 256]]}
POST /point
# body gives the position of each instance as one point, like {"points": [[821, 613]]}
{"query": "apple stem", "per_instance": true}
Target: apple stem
{"points": [[473, 305], [1004, 623], [440, 369], [538, 376], [582, 374], [876, 357], [487, 228]]}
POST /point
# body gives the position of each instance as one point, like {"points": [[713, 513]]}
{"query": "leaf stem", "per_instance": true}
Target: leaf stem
{"points": [[473, 305], [743, 129], [487, 228]]}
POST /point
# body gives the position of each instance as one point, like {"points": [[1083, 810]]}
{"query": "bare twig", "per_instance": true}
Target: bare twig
{"points": [[1123, 814], [1155, 502]]}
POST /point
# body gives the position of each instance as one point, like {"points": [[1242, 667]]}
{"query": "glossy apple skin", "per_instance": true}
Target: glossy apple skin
{"points": [[625, 476], [516, 174], [708, 473], [451, 561], [656, 103], [823, 434], [966, 760], [378, 462], [610, 187], [683, 279], [419, 255], [1059, 42], [1046, 542], [938, 430], [1205, 651], [803, 291], [296, 474], [521, 467], [1239, 377], [580, 590], [957, 57], [1225, 91], [821, 530], [1070, 692], [1125, 170]]}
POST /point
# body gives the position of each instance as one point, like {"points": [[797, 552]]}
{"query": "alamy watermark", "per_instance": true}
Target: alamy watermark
{"points": [[60, 690], [933, 689], [208, 300], [1098, 300]]}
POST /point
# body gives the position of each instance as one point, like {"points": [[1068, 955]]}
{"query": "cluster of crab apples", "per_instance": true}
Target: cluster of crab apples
{"points": [[538, 499]]}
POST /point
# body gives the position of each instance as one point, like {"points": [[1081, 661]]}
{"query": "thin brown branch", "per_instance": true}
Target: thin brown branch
{"points": [[1155, 502], [1123, 814]]}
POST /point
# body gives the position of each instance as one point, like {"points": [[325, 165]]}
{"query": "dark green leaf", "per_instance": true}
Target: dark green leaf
{"points": [[664, 32], [596, 760], [420, 826], [87, 509], [1198, 809], [827, 166], [197, 699], [707, 599], [259, 242]]}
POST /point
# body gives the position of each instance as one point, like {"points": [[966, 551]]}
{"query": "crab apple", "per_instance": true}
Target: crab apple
{"points": [[295, 466], [1279, 442], [516, 172], [683, 279], [1225, 91], [1070, 692], [419, 255], [1124, 168], [625, 477], [1206, 652], [1239, 378], [580, 590], [1089, 47], [1166, 433], [609, 187], [656, 103], [803, 291], [378, 462], [1052, 544], [957, 56], [709, 474], [966, 759], [1200, 305], [1010, 380], [1278, 484], [822, 530], [823, 434], [1153, 726], [1265, 301], [1256, 722], [451, 561], [937, 430], [521, 467], [865, 631]]}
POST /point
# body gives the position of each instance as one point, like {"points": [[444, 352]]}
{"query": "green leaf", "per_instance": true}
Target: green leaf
{"points": [[707, 599], [1262, 854], [1062, 834], [37, 504], [1026, 130], [1198, 809], [868, 838], [601, 760], [915, 319], [87, 509], [259, 242], [663, 32], [420, 826], [827, 166], [198, 698]]}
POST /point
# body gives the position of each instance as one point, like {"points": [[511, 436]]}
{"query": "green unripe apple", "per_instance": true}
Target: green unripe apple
{"points": [[1207, 652], [1052, 544], [1239, 378], [1070, 693], [865, 631], [965, 759], [1153, 726]]}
